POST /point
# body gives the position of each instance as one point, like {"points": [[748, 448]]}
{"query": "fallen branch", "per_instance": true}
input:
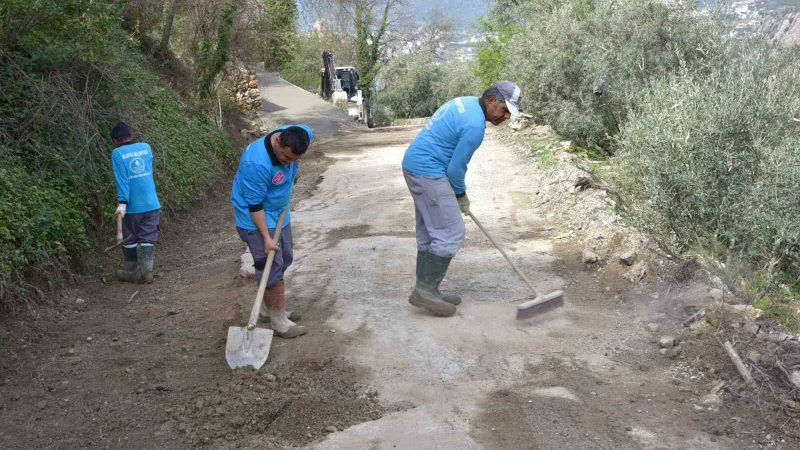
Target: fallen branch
{"points": [[718, 387], [737, 361], [695, 317], [134, 295], [592, 182]]}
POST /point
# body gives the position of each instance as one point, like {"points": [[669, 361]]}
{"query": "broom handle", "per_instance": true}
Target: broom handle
{"points": [[521, 275], [262, 286]]}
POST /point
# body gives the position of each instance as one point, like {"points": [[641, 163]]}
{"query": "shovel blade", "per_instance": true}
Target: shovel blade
{"points": [[247, 348], [540, 305]]}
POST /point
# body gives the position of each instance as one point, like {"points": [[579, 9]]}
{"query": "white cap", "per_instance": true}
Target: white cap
{"points": [[512, 94]]}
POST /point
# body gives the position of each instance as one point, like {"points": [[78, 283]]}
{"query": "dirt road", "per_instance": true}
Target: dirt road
{"points": [[129, 366], [571, 379]]}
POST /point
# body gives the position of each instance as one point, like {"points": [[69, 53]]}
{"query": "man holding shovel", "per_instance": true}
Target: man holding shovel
{"points": [[137, 203], [262, 189], [434, 167]]}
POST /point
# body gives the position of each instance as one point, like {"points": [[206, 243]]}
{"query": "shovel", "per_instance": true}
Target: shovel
{"points": [[249, 346], [540, 304]]}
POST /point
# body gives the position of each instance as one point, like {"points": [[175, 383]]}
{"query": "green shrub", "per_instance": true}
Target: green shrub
{"points": [[304, 69], [410, 82], [41, 225], [417, 84], [280, 28], [381, 116], [459, 80], [492, 58], [714, 160], [705, 127], [560, 51]]}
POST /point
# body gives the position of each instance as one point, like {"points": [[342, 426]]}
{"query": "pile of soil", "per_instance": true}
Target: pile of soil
{"points": [[296, 404]]}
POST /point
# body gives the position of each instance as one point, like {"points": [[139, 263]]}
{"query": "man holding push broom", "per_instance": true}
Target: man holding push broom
{"points": [[434, 167]]}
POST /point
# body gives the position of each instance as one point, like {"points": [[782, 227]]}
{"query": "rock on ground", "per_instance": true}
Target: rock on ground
{"points": [[637, 272], [628, 258], [590, 257], [653, 327]]}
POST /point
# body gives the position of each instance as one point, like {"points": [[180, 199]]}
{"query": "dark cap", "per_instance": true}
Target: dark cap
{"points": [[120, 131]]}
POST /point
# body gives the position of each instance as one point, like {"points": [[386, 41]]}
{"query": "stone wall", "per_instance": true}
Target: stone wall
{"points": [[245, 86]]}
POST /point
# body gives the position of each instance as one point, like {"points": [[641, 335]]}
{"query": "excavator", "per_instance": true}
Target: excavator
{"points": [[340, 86]]}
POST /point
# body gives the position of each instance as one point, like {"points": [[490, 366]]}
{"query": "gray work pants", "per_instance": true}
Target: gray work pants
{"points": [[440, 227], [282, 260]]}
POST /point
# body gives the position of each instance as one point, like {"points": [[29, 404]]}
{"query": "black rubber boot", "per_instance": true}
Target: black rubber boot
{"points": [[148, 257], [455, 299], [430, 273], [128, 273]]}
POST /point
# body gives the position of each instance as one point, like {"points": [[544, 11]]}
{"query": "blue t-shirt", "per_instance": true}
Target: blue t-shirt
{"points": [[261, 181], [133, 171], [444, 147]]}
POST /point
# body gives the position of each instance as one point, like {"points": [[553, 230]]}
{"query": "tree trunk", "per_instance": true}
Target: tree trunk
{"points": [[163, 47]]}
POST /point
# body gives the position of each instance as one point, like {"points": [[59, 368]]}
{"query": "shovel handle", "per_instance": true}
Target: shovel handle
{"points": [[262, 286], [519, 272]]}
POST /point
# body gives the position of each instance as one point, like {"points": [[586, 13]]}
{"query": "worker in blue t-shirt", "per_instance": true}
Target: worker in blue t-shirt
{"points": [[434, 166], [137, 203], [262, 188]]}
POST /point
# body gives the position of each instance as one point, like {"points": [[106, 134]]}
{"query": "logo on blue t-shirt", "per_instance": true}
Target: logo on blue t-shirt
{"points": [[278, 178], [437, 115], [137, 166]]}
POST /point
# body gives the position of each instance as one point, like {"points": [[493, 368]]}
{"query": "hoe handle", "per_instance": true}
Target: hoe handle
{"points": [[519, 272], [119, 229], [262, 286]]}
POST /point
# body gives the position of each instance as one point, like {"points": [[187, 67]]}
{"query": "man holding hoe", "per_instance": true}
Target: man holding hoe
{"points": [[137, 203], [262, 189], [434, 166]]}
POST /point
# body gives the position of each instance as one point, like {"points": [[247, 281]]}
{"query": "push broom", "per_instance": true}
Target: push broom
{"points": [[540, 304]]}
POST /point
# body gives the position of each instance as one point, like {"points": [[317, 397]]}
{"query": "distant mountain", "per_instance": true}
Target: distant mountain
{"points": [[463, 12]]}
